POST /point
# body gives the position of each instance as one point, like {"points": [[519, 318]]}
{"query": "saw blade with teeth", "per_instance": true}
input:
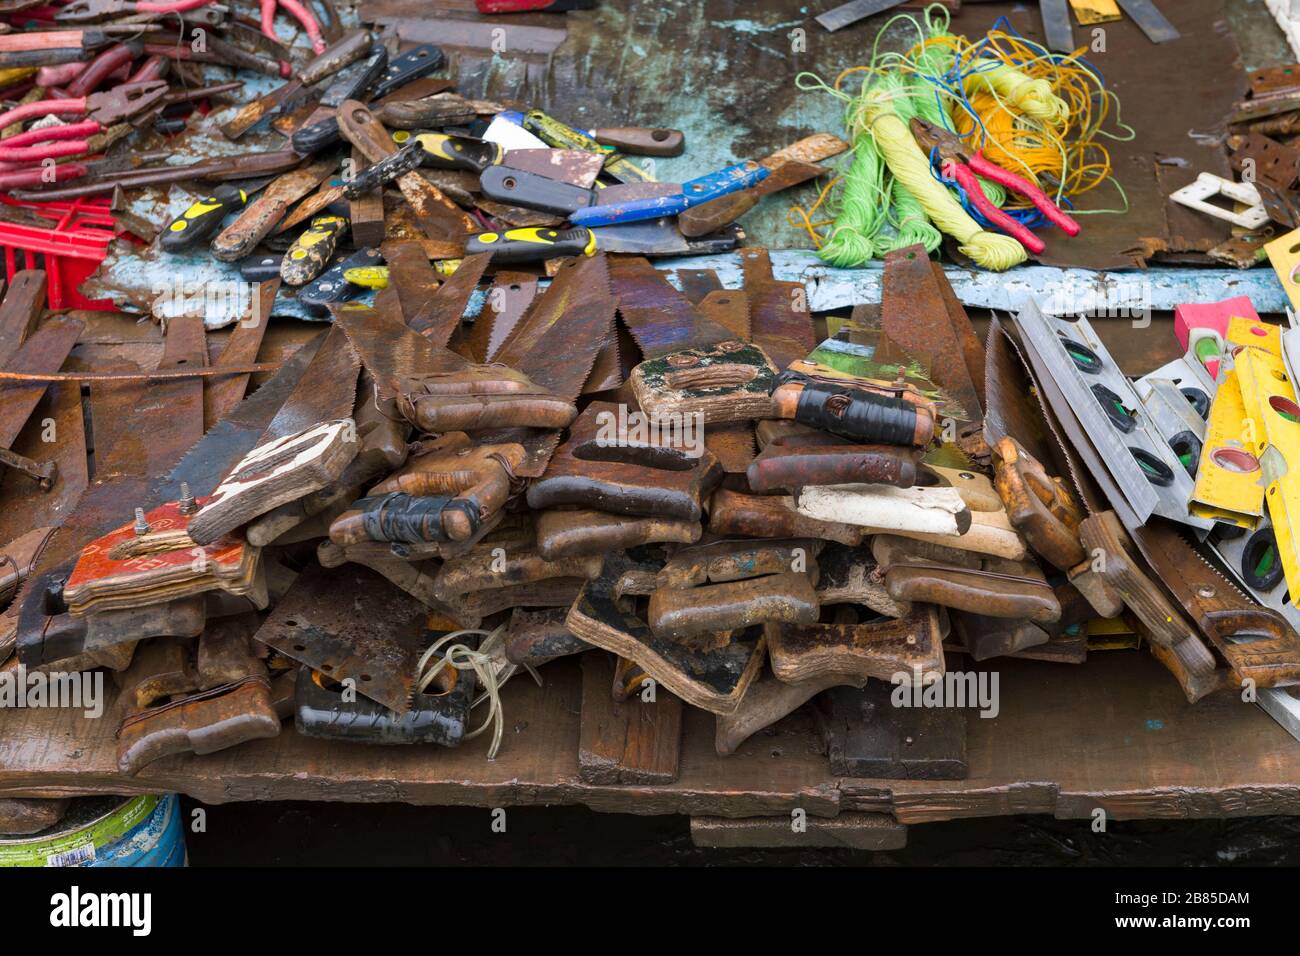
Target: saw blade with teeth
{"points": [[660, 318], [556, 344], [104, 503], [437, 314]]}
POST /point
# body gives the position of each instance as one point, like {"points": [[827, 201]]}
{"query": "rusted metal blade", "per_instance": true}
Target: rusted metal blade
{"points": [[352, 624], [697, 283], [412, 282], [576, 166], [932, 327], [556, 344], [389, 349], [230, 439], [45, 351], [660, 318], [221, 395], [779, 319], [442, 313], [557, 341], [326, 391], [511, 295]]}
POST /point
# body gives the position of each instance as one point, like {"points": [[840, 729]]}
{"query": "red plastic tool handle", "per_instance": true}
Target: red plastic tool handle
{"points": [[39, 176], [299, 13], [982, 167], [20, 114], [966, 179], [180, 6], [49, 133], [34, 154]]}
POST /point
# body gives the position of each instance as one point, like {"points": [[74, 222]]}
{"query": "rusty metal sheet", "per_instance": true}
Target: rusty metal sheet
{"points": [[915, 314], [660, 318], [326, 391], [411, 279], [419, 27], [730, 309], [697, 283], [45, 351], [351, 623], [1265, 161], [557, 341], [207, 462], [576, 166], [512, 293], [779, 320], [391, 351], [58, 415], [221, 395], [142, 428], [1275, 81], [445, 308]]}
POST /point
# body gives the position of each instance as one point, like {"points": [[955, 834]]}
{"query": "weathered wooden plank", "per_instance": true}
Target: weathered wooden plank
{"points": [[23, 303], [627, 741], [1116, 733]]}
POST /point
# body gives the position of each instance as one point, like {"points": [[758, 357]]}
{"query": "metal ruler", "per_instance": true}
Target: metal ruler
{"points": [[1150, 20], [1056, 25], [850, 13], [1146, 470]]}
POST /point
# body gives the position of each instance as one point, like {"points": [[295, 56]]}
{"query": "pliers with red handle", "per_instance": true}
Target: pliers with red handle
{"points": [[100, 110], [84, 11], [80, 11], [300, 13], [961, 164]]}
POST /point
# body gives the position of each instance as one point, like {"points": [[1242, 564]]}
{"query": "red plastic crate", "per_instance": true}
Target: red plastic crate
{"points": [[69, 251]]}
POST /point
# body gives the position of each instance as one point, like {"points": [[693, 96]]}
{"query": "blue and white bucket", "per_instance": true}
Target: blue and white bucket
{"points": [[105, 831]]}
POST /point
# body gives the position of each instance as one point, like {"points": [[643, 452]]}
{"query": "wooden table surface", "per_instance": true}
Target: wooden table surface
{"points": [[1114, 733]]}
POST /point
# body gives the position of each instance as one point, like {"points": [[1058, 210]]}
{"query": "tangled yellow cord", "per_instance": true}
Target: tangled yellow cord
{"points": [[1030, 111], [912, 168], [1036, 114]]}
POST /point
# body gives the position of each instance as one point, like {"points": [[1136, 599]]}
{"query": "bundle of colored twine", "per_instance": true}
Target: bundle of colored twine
{"points": [[1031, 111]]}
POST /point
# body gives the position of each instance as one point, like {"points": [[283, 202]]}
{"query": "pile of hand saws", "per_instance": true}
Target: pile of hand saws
{"points": [[677, 481]]}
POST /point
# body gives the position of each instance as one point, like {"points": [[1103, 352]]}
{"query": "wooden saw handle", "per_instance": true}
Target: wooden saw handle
{"points": [[1038, 506]]}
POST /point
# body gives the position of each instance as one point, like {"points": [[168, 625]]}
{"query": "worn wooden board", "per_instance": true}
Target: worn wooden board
{"points": [[1115, 733], [625, 741]]}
